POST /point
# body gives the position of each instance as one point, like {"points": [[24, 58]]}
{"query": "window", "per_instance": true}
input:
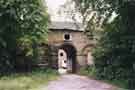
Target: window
{"points": [[67, 37], [61, 54]]}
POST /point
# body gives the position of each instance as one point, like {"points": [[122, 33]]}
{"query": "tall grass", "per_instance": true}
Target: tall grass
{"points": [[27, 81]]}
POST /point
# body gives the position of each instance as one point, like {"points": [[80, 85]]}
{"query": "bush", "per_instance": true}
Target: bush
{"points": [[114, 55], [23, 25], [88, 71]]}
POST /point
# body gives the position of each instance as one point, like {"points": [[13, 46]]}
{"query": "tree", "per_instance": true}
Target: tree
{"points": [[114, 55], [23, 25]]}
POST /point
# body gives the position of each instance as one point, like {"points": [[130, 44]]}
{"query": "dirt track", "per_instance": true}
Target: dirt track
{"points": [[76, 82]]}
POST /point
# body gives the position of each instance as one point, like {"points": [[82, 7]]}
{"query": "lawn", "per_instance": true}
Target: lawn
{"points": [[27, 81]]}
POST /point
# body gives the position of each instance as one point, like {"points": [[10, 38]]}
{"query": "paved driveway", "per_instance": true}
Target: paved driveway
{"points": [[76, 82]]}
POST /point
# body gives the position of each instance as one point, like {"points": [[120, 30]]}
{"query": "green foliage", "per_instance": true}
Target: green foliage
{"points": [[91, 71], [23, 25], [36, 80], [88, 71], [114, 55]]}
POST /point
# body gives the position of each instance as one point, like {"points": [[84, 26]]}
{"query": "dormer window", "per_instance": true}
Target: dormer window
{"points": [[67, 36]]}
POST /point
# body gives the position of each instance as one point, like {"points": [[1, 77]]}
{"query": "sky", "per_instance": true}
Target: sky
{"points": [[54, 6], [53, 9]]}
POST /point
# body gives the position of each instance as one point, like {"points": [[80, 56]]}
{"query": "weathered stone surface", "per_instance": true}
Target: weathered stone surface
{"points": [[78, 39]]}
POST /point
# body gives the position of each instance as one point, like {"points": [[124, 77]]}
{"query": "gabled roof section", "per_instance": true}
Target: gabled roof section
{"points": [[73, 26]]}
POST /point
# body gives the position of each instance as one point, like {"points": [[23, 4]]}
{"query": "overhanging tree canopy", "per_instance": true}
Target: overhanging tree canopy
{"points": [[114, 55], [23, 23]]}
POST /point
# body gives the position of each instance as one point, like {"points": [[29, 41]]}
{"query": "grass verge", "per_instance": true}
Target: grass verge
{"points": [[91, 72], [27, 81]]}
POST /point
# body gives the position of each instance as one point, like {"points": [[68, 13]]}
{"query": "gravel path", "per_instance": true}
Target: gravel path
{"points": [[76, 82]]}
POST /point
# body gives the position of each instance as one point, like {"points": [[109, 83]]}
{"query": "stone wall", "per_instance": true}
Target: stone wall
{"points": [[78, 39]]}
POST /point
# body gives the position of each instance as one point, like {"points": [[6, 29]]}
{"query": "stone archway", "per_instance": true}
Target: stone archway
{"points": [[67, 57], [87, 51]]}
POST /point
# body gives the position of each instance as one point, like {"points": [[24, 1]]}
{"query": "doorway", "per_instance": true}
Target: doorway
{"points": [[67, 58]]}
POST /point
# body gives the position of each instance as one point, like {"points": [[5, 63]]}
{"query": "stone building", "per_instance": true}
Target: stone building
{"points": [[70, 47]]}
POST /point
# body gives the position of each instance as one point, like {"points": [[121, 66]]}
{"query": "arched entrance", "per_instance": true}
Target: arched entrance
{"points": [[87, 51], [67, 58]]}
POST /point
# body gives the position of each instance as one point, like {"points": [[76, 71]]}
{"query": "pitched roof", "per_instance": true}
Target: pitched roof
{"points": [[73, 26]]}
